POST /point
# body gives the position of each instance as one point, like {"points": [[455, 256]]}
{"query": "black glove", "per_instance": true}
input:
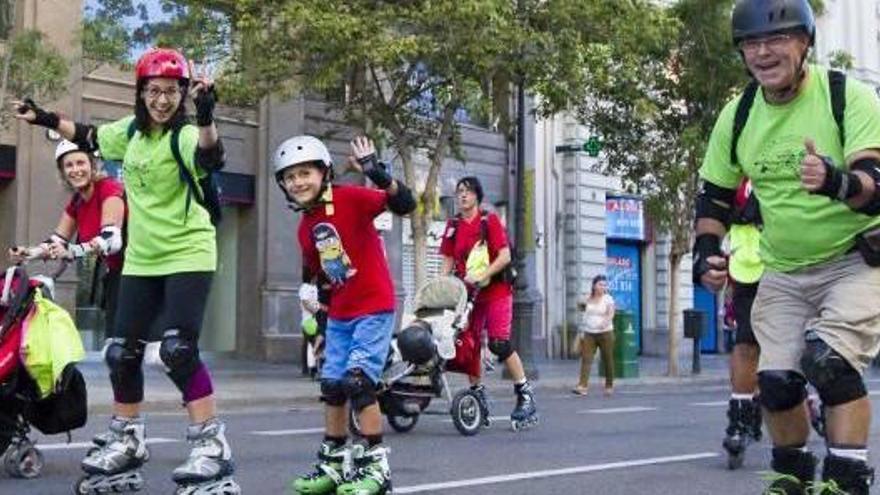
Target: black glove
{"points": [[205, 101], [839, 184], [705, 245], [46, 119], [376, 171]]}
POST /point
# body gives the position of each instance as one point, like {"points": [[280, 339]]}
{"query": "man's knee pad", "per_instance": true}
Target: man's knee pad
{"points": [[126, 376], [781, 390], [834, 378], [359, 389], [181, 357], [501, 348], [333, 392]]}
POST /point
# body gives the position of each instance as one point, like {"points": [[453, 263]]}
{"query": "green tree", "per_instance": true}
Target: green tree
{"points": [[655, 123], [409, 73], [31, 67]]}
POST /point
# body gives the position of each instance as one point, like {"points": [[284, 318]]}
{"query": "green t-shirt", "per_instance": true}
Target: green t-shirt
{"points": [[800, 229], [162, 237]]}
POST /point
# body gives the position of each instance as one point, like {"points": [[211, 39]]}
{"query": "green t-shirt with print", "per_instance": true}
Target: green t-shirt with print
{"points": [[163, 237], [800, 229]]}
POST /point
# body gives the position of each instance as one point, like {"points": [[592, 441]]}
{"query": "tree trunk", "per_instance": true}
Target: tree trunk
{"points": [[7, 58], [420, 224], [674, 262]]}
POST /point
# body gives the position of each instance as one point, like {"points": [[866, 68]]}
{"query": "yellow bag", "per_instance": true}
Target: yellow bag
{"points": [[478, 262], [50, 342]]}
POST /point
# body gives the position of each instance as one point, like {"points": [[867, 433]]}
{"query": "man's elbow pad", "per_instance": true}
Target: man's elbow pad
{"points": [[211, 159], [85, 136], [870, 166], [110, 240], [715, 202], [403, 202]]}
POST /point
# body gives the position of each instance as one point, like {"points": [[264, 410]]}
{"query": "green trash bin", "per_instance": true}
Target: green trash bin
{"points": [[626, 350]]}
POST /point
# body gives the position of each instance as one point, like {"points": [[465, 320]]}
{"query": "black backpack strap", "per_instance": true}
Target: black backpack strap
{"points": [[741, 117], [185, 174], [484, 227], [131, 129], [837, 88]]}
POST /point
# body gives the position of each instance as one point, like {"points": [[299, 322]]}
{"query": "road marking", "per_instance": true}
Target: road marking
{"points": [[718, 403], [615, 410], [282, 433], [85, 445], [874, 392], [590, 468], [491, 418]]}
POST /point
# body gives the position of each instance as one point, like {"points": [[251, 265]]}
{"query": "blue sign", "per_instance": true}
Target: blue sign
{"points": [[623, 270], [624, 218]]}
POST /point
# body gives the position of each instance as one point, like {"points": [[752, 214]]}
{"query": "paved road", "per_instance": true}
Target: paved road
{"points": [[659, 439]]}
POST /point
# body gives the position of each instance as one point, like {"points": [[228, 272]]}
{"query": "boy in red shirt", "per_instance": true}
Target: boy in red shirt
{"points": [[341, 246], [493, 306]]}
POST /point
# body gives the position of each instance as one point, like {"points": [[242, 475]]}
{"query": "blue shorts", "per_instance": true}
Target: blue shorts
{"points": [[361, 342]]}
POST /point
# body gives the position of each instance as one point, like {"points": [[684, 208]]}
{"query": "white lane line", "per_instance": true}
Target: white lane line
{"points": [[282, 433], [491, 418], [85, 445], [506, 478], [717, 403], [615, 410]]}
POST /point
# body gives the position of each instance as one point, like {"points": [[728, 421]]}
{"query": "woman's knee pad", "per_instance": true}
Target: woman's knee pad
{"points": [[124, 361], [781, 390], [834, 378], [180, 355], [361, 391], [501, 348]]}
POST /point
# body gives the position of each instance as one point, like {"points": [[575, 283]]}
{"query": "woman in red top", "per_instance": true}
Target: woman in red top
{"points": [[95, 214], [493, 306]]}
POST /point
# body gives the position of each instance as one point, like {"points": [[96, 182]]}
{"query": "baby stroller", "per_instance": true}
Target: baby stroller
{"points": [[414, 372], [22, 405]]}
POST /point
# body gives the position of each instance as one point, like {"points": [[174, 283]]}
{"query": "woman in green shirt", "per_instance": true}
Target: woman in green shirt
{"points": [[170, 260]]}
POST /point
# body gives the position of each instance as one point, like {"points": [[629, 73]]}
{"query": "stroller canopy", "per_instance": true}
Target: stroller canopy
{"points": [[443, 293]]}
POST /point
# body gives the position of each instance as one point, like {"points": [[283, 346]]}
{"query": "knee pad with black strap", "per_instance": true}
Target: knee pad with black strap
{"points": [[361, 391], [834, 378], [124, 360], [180, 354], [333, 392], [781, 390], [501, 348]]}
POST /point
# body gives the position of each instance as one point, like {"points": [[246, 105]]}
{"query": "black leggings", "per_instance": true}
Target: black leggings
{"points": [[175, 301], [110, 300]]}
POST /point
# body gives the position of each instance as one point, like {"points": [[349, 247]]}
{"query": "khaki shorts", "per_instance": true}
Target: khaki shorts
{"points": [[838, 300]]}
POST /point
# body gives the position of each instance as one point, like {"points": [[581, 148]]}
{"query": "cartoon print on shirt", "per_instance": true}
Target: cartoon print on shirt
{"points": [[334, 260]]}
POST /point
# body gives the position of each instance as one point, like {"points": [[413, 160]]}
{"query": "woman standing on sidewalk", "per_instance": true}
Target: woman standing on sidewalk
{"points": [[596, 330], [170, 260]]}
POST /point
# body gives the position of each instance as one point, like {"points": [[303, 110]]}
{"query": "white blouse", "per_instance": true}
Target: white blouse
{"points": [[593, 320]]}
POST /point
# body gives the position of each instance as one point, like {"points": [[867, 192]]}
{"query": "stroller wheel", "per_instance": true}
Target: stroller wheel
{"points": [[467, 416], [403, 424], [24, 461]]}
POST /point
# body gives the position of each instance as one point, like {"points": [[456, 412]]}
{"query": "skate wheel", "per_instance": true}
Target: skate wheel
{"points": [[403, 424], [735, 461], [24, 461], [466, 413], [81, 487]]}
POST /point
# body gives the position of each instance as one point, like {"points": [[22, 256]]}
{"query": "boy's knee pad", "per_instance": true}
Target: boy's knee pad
{"points": [[781, 390], [333, 392], [359, 388], [126, 376], [180, 355], [501, 348], [834, 378]]}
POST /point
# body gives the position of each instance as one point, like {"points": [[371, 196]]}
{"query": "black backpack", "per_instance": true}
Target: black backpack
{"points": [[836, 86], [65, 409], [209, 185], [509, 273]]}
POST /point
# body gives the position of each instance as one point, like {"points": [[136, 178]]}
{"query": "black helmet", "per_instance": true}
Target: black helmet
{"points": [[753, 18], [416, 343]]}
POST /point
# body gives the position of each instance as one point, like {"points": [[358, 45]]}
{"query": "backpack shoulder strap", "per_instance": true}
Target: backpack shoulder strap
{"points": [[837, 88], [132, 129], [185, 174], [741, 117], [484, 226]]}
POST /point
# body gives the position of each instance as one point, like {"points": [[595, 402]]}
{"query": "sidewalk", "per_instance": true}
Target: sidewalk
{"points": [[242, 383]]}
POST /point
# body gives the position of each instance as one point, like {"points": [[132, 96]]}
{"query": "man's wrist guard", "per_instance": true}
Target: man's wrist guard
{"points": [[705, 245], [376, 171]]}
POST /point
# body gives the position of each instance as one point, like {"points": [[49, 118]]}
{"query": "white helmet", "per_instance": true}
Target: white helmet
{"points": [[64, 147], [300, 149]]}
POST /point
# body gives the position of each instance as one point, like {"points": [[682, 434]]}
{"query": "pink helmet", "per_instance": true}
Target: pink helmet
{"points": [[162, 62]]}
